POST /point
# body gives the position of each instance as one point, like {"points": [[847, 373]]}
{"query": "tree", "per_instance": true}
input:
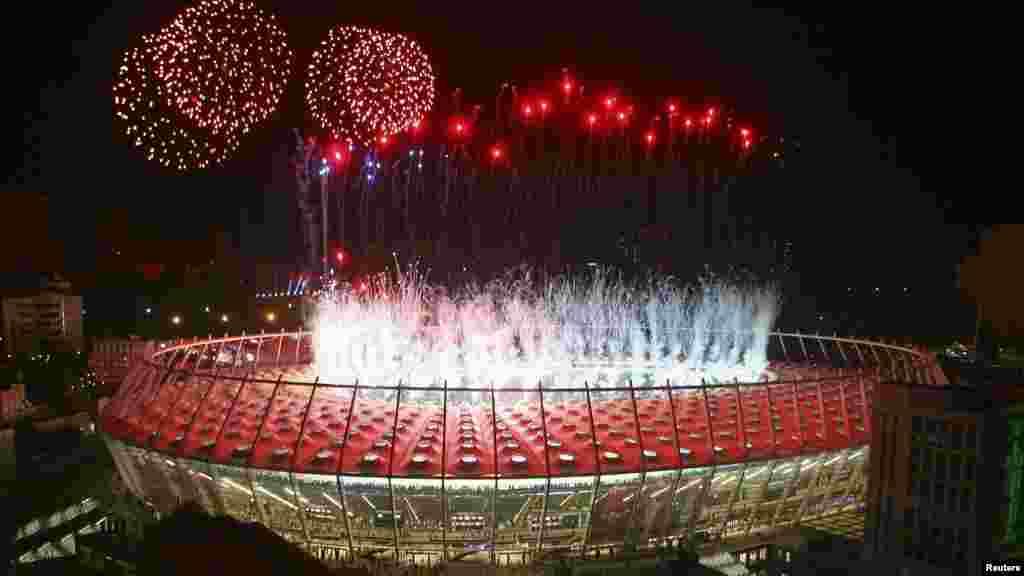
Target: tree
{"points": [[51, 374], [191, 542]]}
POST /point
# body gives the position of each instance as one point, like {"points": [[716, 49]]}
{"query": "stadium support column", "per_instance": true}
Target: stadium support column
{"points": [[741, 432], [698, 505], [494, 494], [798, 413], [787, 492], [675, 450], [811, 488], [341, 466], [855, 472], [547, 471], [391, 466], [294, 461], [865, 417], [732, 501], [444, 472], [597, 465], [643, 459], [758, 499], [844, 408], [844, 460], [260, 510], [708, 417]]}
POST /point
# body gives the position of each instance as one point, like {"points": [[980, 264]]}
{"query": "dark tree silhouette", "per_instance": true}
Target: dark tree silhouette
{"points": [[191, 543]]}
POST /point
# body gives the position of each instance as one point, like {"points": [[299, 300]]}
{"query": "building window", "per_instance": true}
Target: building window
{"points": [[969, 465], [940, 494], [965, 500], [957, 439], [908, 518], [916, 424]]}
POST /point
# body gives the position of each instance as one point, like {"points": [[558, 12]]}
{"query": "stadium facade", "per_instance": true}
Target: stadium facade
{"points": [[245, 427]]}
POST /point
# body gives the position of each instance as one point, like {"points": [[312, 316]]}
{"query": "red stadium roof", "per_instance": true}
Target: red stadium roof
{"points": [[278, 417]]}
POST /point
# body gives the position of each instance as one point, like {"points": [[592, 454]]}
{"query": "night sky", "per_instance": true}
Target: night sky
{"points": [[845, 84]]}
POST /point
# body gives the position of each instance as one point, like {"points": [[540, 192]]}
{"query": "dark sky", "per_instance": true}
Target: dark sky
{"points": [[847, 83]]}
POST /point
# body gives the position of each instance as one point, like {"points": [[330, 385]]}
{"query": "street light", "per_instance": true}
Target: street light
{"points": [[271, 317], [176, 320], [224, 318]]}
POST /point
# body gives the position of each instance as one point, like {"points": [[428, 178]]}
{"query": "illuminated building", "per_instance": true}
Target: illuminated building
{"points": [[946, 474], [49, 313], [499, 474]]}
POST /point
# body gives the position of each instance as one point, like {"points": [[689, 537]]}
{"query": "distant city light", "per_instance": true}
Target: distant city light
{"points": [[176, 320], [206, 309], [224, 318], [149, 310], [271, 317]]}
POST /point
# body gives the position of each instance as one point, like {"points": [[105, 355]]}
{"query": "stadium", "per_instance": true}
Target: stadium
{"points": [[567, 459]]}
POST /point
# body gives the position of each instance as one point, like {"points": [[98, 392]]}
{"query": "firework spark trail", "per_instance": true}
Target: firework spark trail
{"points": [[601, 330], [365, 84], [191, 91]]}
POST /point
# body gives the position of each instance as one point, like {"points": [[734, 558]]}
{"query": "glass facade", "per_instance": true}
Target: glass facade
{"points": [[423, 474]]}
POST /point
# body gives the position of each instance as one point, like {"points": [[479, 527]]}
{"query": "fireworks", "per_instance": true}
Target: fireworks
{"points": [[193, 89], [364, 84], [600, 329]]}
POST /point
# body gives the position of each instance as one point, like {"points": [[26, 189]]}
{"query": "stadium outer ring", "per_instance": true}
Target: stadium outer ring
{"points": [[838, 377]]}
